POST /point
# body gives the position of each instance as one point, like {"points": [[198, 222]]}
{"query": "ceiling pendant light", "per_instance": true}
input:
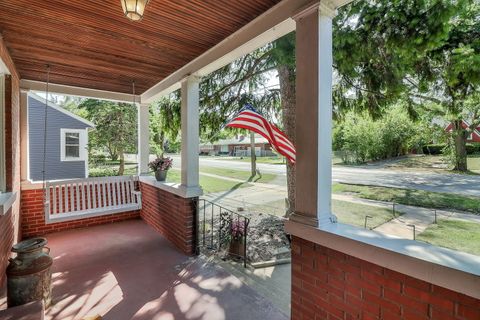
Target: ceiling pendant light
{"points": [[133, 9]]}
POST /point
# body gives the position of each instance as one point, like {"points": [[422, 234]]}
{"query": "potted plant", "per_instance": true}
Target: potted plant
{"points": [[160, 166], [237, 238]]}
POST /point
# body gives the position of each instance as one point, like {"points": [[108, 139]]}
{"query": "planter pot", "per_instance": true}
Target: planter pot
{"points": [[237, 247], [161, 175]]}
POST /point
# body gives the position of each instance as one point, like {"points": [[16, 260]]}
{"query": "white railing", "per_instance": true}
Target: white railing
{"points": [[81, 198]]}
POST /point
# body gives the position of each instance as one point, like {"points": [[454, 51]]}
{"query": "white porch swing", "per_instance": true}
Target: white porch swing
{"points": [[66, 200]]}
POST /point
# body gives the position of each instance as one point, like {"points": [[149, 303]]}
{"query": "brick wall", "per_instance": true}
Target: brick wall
{"points": [[327, 284], [171, 215], [10, 222], [33, 217]]}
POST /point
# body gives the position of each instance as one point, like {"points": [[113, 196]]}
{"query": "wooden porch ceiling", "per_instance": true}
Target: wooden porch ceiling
{"points": [[91, 44]]}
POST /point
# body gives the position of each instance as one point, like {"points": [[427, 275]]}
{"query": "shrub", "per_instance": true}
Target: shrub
{"points": [[363, 139], [102, 172]]}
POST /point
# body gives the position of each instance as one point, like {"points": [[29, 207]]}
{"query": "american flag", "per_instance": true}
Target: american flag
{"points": [[248, 118]]}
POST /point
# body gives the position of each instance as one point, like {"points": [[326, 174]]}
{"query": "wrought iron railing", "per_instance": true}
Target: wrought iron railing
{"points": [[221, 229]]}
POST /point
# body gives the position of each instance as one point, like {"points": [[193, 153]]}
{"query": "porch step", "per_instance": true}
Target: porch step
{"points": [[29, 311]]}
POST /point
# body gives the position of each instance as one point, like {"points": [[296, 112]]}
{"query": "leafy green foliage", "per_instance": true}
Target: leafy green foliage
{"points": [[364, 138], [115, 127]]}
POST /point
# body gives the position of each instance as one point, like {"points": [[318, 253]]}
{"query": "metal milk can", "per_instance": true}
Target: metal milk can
{"points": [[29, 276]]}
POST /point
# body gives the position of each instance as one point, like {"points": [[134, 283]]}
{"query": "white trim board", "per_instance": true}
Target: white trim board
{"points": [[61, 89]]}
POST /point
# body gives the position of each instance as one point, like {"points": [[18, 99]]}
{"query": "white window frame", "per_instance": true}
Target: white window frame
{"points": [[83, 140], [3, 174]]}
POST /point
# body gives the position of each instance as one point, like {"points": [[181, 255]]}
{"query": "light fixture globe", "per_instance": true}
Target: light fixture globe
{"points": [[133, 9]]}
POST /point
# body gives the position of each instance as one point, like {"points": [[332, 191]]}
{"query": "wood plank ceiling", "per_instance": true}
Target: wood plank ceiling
{"points": [[91, 44]]}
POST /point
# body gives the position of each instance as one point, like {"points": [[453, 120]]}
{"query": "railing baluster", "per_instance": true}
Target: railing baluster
{"points": [[84, 196], [115, 192], [89, 202], [94, 194], [104, 194], [109, 193], [60, 198], [54, 204], [124, 192], [77, 188]]}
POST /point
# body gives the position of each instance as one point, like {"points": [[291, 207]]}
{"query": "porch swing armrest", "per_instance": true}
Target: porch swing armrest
{"points": [[138, 198]]}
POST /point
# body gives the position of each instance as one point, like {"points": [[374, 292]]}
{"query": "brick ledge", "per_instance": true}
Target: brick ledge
{"points": [[450, 269]]}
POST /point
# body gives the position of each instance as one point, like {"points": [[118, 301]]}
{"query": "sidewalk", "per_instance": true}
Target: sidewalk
{"points": [[418, 216], [259, 194]]}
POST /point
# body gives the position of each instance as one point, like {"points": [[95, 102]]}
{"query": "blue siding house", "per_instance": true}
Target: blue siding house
{"points": [[67, 140]]}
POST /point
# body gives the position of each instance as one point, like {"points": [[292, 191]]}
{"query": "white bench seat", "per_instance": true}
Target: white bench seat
{"points": [[91, 197]]}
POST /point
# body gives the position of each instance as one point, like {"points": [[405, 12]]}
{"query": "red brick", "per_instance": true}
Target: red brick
{"points": [[377, 293], [469, 312]]}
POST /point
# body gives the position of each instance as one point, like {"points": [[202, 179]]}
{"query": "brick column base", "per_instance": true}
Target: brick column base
{"points": [[328, 284], [171, 215]]}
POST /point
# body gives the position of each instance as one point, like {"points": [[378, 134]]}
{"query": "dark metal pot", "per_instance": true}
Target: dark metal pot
{"points": [[29, 276], [161, 175]]}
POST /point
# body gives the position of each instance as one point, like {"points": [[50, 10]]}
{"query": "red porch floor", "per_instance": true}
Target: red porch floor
{"points": [[128, 271]]}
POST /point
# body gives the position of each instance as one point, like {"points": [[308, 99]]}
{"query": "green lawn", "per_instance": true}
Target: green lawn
{"points": [[347, 212], [270, 160], [208, 184], [355, 213], [428, 162], [454, 234], [419, 198], [474, 163], [237, 174]]}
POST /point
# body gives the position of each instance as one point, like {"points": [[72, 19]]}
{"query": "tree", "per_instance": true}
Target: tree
{"points": [[115, 127], [453, 72], [416, 51]]}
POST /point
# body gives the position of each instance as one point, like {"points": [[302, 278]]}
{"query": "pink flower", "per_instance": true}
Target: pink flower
{"points": [[161, 164]]}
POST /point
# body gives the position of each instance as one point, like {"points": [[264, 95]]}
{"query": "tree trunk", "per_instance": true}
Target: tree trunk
{"points": [[121, 168], [253, 156], [286, 76], [460, 136], [112, 152]]}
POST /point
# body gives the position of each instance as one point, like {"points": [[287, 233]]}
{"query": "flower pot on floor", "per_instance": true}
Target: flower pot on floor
{"points": [[237, 247], [161, 175]]}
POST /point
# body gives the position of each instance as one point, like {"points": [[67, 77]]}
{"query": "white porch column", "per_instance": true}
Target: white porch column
{"points": [[190, 132], [314, 115], [24, 165], [143, 138]]}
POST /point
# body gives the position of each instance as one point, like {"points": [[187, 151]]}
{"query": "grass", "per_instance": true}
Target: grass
{"points": [[208, 184], [454, 234], [355, 213], [473, 163], [269, 160], [428, 162], [347, 212], [419, 198], [237, 174]]}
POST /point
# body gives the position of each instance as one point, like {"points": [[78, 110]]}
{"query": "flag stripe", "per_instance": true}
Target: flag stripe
{"points": [[251, 120]]}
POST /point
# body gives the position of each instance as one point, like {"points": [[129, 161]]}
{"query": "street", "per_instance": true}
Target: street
{"points": [[437, 182]]}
